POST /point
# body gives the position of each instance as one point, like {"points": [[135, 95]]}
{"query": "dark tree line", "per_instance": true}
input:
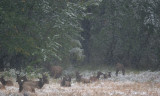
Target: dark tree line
{"points": [[34, 32], [125, 31], [78, 32]]}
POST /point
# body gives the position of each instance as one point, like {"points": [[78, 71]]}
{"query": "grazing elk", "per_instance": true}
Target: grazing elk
{"points": [[107, 75], [55, 71], [80, 79], [95, 78], [66, 81], [6, 83], [120, 67]]}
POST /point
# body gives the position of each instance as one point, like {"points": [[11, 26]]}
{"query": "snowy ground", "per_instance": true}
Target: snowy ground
{"points": [[142, 84]]}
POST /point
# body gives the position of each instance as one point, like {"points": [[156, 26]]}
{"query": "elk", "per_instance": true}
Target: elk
{"points": [[55, 71], [120, 67], [95, 78], [67, 84], [2, 86], [107, 75], [66, 81], [6, 83], [35, 84], [84, 80], [45, 78], [19, 78], [80, 79], [68, 78], [25, 87]]}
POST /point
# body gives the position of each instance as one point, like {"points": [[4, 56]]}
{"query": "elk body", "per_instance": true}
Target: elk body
{"points": [[80, 79], [67, 84], [66, 81], [2, 87], [120, 67], [6, 83], [107, 75], [85, 80], [25, 87], [55, 71], [45, 79], [19, 78], [30, 85], [35, 84], [95, 78]]}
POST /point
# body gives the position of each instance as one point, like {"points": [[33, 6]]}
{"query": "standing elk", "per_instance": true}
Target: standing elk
{"points": [[120, 67], [55, 71], [6, 83]]}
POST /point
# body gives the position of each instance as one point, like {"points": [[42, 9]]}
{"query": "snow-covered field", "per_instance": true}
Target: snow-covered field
{"points": [[142, 84]]}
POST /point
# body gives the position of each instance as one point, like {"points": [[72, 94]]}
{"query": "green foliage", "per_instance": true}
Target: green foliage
{"points": [[110, 31], [29, 69], [40, 30], [9, 73]]}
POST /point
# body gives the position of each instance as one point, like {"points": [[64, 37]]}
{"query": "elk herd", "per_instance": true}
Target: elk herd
{"points": [[55, 72]]}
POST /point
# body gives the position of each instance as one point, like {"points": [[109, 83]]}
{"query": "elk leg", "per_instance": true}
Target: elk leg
{"points": [[117, 72], [123, 71]]}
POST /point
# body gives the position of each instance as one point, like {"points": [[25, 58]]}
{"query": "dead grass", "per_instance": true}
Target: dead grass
{"points": [[99, 88], [142, 84]]}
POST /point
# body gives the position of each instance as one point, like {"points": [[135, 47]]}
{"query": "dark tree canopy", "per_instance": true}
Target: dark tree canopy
{"points": [[82, 32]]}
